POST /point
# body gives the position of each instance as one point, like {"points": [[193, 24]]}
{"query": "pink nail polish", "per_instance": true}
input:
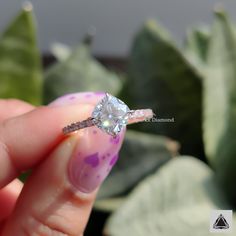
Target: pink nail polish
{"points": [[75, 98], [94, 158]]}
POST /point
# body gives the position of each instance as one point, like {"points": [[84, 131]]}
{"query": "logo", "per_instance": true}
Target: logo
{"points": [[221, 221]]}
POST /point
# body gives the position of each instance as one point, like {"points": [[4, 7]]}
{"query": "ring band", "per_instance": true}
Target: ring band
{"points": [[110, 115]]}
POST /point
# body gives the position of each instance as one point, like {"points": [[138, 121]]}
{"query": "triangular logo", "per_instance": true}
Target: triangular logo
{"points": [[221, 223]]}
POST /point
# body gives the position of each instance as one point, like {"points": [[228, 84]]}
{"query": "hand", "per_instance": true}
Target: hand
{"points": [[66, 170]]}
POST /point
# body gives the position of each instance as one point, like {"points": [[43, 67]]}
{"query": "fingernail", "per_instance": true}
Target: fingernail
{"points": [[75, 98], [93, 158]]}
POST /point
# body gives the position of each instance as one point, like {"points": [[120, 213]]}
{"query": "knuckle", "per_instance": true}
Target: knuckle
{"points": [[35, 226], [77, 198], [5, 150]]}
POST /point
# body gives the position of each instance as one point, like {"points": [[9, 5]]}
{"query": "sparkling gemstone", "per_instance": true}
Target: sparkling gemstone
{"points": [[111, 114]]}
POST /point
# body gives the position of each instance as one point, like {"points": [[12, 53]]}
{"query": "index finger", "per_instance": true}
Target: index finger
{"points": [[13, 107], [25, 140]]}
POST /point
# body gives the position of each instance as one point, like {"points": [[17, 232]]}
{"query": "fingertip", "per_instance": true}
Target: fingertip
{"points": [[95, 155], [8, 197], [13, 107]]}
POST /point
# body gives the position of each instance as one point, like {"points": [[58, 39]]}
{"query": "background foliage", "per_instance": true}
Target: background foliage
{"points": [[153, 190]]}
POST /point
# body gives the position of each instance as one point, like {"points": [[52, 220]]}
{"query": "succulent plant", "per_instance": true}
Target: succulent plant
{"points": [[20, 63]]}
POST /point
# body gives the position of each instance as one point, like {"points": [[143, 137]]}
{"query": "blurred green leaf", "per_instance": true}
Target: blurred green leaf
{"points": [[79, 72], [196, 47], [60, 51], [140, 155], [20, 66], [109, 204], [177, 200], [25, 175], [161, 78], [220, 103]]}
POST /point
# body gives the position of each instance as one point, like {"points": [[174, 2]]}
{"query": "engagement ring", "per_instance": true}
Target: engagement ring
{"points": [[110, 115]]}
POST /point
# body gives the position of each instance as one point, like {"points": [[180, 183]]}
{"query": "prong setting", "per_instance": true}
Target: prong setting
{"points": [[111, 114]]}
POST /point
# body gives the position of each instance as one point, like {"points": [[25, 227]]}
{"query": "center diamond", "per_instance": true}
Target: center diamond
{"points": [[111, 114]]}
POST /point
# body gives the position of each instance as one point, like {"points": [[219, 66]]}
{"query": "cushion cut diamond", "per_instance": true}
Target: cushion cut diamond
{"points": [[111, 114]]}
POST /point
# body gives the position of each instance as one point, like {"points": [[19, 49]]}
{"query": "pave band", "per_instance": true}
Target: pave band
{"points": [[78, 125]]}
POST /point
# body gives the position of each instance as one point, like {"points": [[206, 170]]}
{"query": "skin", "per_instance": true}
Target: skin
{"points": [[67, 170]]}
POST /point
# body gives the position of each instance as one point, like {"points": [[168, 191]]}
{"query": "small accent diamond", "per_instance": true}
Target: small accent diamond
{"points": [[111, 114]]}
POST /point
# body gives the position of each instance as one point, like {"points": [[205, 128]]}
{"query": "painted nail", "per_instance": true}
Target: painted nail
{"points": [[76, 98], [93, 159]]}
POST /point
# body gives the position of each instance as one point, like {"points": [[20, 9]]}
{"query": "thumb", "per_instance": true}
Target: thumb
{"points": [[59, 195]]}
